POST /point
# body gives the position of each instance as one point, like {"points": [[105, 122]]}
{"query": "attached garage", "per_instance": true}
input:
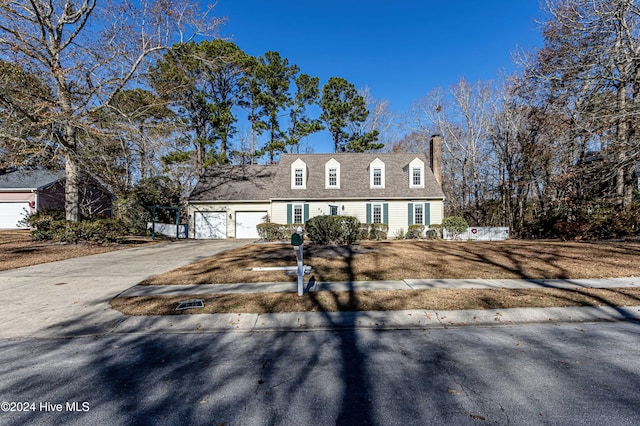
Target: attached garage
{"points": [[210, 225], [247, 223], [12, 214]]}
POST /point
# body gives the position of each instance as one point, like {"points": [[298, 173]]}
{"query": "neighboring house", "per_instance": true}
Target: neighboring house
{"points": [[25, 192], [398, 189]]}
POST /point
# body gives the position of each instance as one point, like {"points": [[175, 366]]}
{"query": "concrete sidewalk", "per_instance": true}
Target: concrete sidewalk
{"points": [[412, 284], [410, 319], [71, 298]]}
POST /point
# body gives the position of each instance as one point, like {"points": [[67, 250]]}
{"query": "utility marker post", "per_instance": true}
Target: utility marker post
{"points": [[298, 243]]}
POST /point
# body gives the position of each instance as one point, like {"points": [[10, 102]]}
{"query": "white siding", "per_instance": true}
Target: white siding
{"points": [[277, 211], [398, 211], [230, 209], [398, 218], [437, 211]]}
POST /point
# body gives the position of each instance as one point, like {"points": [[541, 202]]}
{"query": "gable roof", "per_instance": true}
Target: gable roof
{"points": [[355, 177], [29, 179], [273, 182], [242, 183]]}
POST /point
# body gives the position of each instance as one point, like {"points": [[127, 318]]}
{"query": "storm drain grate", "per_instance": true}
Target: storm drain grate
{"points": [[190, 304]]}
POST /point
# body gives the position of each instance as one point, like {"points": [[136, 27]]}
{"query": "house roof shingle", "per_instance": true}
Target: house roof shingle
{"points": [[29, 179], [241, 183], [273, 182]]}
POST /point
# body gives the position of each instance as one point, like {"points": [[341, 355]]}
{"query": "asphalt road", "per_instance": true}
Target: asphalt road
{"points": [[556, 373]]}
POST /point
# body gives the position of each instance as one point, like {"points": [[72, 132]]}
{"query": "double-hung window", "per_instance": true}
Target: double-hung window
{"points": [[377, 177], [416, 173], [333, 177], [298, 213], [299, 180], [298, 174], [376, 174], [418, 214], [377, 213], [417, 176]]}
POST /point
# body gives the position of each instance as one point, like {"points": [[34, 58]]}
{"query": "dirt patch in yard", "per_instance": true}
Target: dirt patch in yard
{"points": [[18, 250], [440, 299], [397, 260]]}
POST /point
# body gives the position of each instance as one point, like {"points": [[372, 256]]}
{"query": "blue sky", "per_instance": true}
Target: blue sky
{"points": [[400, 49]]}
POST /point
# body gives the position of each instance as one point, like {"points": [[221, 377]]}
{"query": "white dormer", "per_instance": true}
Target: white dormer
{"points": [[376, 173], [332, 174], [299, 174], [416, 173]]}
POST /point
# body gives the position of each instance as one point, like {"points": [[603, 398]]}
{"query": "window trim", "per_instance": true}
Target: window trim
{"points": [[329, 165], [376, 164], [337, 207], [298, 173], [416, 164], [296, 166], [415, 207], [373, 212], [294, 206]]}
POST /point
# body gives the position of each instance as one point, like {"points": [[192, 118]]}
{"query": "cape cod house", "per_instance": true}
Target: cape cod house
{"points": [[398, 189]]}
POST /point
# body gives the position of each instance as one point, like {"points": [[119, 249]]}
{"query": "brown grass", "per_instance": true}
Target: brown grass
{"points": [[17, 250], [397, 260], [381, 301]]}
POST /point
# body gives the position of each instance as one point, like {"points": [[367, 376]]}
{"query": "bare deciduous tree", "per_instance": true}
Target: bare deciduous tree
{"points": [[85, 53]]}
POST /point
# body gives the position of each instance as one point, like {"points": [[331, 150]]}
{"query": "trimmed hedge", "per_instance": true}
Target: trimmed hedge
{"points": [[415, 231], [333, 229], [276, 232], [326, 230], [373, 231], [435, 232]]}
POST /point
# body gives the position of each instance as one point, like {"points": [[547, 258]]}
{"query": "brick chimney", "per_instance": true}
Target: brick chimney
{"points": [[435, 157]]}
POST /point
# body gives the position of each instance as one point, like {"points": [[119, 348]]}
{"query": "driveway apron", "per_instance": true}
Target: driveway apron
{"points": [[71, 297]]}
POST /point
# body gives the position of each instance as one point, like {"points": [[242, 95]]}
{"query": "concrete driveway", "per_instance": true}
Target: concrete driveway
{"points": [[71, 297]]}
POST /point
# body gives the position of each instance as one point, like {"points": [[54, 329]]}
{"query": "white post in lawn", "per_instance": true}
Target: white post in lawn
{"points": [[298, 249]]}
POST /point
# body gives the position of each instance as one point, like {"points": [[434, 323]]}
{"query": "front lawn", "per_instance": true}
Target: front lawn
{"points": [[17, 249], [397, 260]]}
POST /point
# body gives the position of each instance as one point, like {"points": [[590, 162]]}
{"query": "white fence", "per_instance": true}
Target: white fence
{"points": [[479, 234], [169, 229]]}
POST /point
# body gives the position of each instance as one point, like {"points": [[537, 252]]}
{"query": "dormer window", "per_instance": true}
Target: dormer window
{"points": [[416, 174], [377, 173], [333, 177], [417, 177], [332, 174], [298, 175], [377, 177]]}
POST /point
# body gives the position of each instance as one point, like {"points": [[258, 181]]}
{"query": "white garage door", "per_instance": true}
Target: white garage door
{"points": [[11, 214], [211, 225], [246, 223]]}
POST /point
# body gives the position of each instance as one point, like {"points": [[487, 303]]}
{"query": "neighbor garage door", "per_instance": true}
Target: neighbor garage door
{"points": [[11, 214], [211, 225], [247, 222]]}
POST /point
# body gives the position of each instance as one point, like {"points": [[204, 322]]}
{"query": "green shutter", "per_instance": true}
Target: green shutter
{"points": [[306, 213], [385, 213], [289, 214], [427, 214], [410, 214], [369, 213]]}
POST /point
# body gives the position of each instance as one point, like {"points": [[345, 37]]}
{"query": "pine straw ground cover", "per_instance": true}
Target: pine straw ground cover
{"points": [[397, 260], [18, 250]]}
